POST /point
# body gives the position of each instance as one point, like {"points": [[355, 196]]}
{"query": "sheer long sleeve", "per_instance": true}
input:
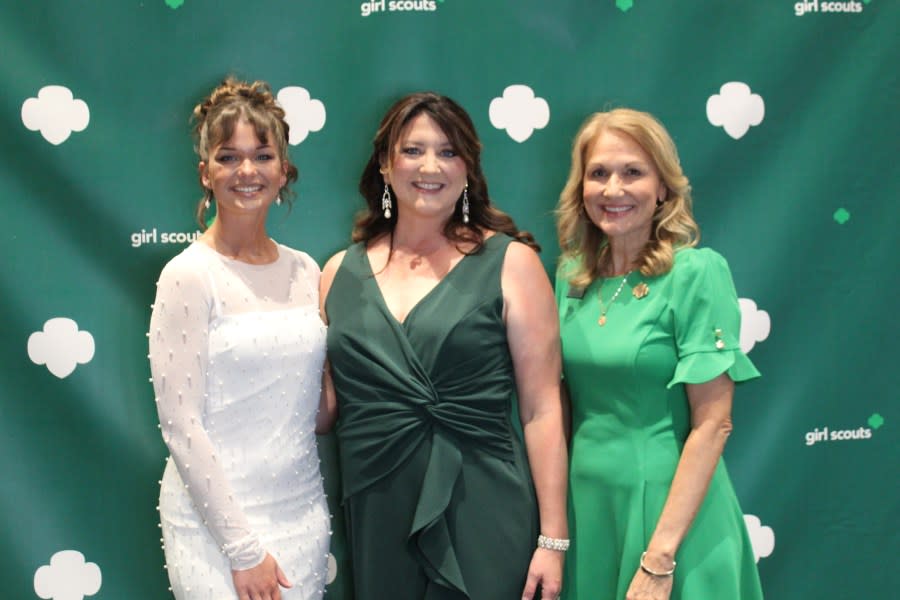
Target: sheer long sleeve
{"points": [[179, 329]]}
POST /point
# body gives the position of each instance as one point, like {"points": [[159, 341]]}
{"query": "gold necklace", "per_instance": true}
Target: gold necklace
{"points": [[605, 307]]}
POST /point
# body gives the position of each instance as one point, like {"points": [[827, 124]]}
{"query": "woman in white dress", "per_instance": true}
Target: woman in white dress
{"points": [[236, 353]]}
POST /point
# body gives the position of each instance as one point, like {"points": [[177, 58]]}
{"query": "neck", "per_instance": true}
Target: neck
{"points": [[419, 235], [622, 258], [242, 239]]}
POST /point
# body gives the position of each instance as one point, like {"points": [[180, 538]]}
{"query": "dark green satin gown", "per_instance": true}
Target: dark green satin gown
{"points": [[436, 486]]}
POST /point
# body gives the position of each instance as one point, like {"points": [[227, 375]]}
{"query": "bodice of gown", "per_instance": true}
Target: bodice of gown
{"points": [[627, 377], [436, 390]]}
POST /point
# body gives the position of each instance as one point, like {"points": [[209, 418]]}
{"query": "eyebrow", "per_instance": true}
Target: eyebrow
{"points": [[260, 147], [631, 163], [420, 143]]}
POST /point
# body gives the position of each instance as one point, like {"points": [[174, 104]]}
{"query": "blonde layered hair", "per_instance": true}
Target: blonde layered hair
{"points": [[584, 246]]}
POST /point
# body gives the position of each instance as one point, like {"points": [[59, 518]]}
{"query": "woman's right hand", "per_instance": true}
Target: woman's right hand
{"points": [[261, 582]]}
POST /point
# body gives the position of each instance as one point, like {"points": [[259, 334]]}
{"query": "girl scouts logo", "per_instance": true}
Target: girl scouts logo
{"points": [[814, 6], [825, 434], [379, 6]]}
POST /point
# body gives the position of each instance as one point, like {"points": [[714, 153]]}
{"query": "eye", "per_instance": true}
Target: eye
{"points": [[599, 173], [448, 153], [633, 172], [224, 158], [411, 151], [265, 156]]}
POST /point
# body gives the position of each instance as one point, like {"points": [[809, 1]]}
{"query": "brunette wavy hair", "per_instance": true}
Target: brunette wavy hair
{"points": [[584, 246], [460, 131], [215, 119]]}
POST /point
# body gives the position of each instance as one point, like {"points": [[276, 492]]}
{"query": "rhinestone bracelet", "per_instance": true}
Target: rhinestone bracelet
{"points": [[650, 571], [549, 543]]}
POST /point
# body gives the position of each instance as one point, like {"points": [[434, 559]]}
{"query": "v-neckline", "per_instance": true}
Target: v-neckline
{"points": [[383, 301]]}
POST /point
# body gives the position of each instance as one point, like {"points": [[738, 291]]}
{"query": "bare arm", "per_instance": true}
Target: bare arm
{"points": [[710, 426], [327, 414], [533, 335]]}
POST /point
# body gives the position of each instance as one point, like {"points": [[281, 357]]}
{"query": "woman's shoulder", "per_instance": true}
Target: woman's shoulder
{"points": [[186, 274], [517, 251], [301, 257], [693, 261], [520, 266], [334, 263], [191, 261], [701, 272], [329, 271]]}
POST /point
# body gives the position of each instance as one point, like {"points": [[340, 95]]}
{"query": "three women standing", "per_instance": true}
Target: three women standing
{"points": [[441, 317]]}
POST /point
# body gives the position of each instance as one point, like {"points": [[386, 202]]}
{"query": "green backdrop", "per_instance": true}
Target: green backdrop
{"points": [[785, 114]]}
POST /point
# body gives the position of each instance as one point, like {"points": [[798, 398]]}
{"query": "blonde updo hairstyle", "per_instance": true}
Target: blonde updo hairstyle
{"points": [[216, 117], [583, 244]]}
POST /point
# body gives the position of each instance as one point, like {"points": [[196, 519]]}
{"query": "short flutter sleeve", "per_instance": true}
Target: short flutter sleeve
{"points": [[707, 320]]}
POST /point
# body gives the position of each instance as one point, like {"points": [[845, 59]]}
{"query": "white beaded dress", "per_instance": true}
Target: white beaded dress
{"points": [[236, 354]]}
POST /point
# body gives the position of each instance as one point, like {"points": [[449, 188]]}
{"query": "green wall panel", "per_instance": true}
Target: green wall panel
{"points": [[804, 205]]}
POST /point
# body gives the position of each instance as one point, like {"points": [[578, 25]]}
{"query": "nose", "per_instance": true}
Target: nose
{"points": [[613, 186], [247, 167], [430, 163]]}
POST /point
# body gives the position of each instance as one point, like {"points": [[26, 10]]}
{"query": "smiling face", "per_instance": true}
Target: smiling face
{"points": [[620, 187], [244, 173], [425, 171]]}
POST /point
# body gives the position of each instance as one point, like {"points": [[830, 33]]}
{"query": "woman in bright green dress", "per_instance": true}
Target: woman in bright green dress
{"points": [[650, 329]]}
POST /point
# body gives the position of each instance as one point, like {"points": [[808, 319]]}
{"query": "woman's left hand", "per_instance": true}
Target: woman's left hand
{"points": [[546, 569], [649, 587]]}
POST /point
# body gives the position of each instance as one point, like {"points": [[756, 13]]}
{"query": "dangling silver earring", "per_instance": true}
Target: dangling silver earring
{"points": [[386, 202], [278, 200], [659, 202], [465, 204], [206, 203]]}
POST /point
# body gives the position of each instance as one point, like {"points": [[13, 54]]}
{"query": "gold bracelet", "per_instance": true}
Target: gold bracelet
{"points": [[650, 571]]}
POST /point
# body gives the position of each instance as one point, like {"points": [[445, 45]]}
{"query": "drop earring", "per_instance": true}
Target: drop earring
{"points": [[206, 203], [386, 202], [465, 204], [278, 200]]}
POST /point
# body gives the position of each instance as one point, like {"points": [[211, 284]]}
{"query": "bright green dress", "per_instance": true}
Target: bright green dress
{"points": [[630, 419], [436, 486]]}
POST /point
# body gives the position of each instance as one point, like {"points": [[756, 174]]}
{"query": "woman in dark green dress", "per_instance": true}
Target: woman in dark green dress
{"points": [[440, 318], [650, 328]]}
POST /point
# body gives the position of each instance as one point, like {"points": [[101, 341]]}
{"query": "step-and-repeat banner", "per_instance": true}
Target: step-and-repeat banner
{"points": [[786, 117]]}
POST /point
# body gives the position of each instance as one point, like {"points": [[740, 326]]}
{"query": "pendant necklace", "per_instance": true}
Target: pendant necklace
{"points": [[605, 307]]}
